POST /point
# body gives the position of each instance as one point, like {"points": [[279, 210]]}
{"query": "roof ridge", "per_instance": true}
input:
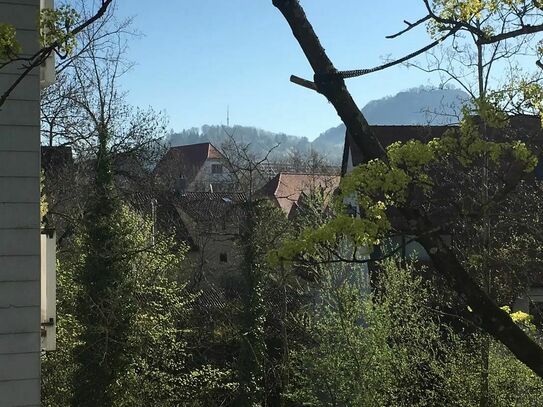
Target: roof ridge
{"points": [[190, 145], [308, 173], [278, 184]]}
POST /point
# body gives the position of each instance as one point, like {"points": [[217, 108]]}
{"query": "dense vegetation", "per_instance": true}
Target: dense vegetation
{"points": [[326, 307]]}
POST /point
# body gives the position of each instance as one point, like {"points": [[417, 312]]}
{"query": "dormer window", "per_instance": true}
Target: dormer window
{"points": [[216, 168]]}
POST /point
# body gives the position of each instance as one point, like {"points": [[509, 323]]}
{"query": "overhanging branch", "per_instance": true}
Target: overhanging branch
{"points": [[41, 56]]}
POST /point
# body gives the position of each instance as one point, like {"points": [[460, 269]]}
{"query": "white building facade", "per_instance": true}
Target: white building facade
{"points": [[20, 218]]}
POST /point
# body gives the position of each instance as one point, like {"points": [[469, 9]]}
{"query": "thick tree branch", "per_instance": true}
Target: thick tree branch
{"points": [[524, 30], [330, 85], [361, 72]]}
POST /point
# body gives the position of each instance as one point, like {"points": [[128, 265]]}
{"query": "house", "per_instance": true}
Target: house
{"points": [[287, 190], [194, 168], [207, 222], [525, 127], [522, 127], [20, 299], [352, 156], [212, 221]]}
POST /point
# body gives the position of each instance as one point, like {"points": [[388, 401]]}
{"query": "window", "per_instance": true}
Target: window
{"points": [[216, 168], [223, 258]]}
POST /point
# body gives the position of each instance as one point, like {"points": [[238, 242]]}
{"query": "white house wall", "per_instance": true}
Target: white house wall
{"points": [[20, 220], [205, 177]]}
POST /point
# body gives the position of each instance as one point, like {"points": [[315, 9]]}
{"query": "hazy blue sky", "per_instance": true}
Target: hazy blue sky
{"points": [[197, 57]]}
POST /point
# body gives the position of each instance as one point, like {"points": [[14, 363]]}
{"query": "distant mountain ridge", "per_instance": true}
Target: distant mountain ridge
{"points": [[418, 106], [259, 140]]}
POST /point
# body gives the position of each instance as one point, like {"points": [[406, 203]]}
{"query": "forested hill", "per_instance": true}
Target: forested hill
{"points": [[260, 140], [415, 106]]}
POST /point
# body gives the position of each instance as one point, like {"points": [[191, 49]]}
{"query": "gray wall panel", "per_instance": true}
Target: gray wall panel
{"points": [[19, 268], [19, 294], [20, 320], [27, 40], [20, 138], [25, 89], [19, 343], [19, 215], [19, 242], [14, 70], [19, 163], [20, 112], [25, 16], [17, 366], [24, 190], [20, 393]]}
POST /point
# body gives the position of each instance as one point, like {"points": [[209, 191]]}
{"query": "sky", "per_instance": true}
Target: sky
{"points": [[196, 58]]}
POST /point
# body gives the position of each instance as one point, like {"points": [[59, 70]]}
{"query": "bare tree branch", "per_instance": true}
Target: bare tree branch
{"points": [[41, 56]]}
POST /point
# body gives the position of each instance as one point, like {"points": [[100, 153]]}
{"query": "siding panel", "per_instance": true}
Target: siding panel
{"points": [[19, 343], [19, 294], [19, 366], [25, 90], [20, 320], [20, 112], [21, 138], [19, 190], [19, 163], [25, 17], [19, 242], [20, 393], [19, 268], [19, 215]]}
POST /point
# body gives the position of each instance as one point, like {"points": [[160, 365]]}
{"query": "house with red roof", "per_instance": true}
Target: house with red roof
{"points": [[194, 168], [287, 190], [526, 128]]}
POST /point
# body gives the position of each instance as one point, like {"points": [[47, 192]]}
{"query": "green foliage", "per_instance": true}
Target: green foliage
{"points": [[44, 207], [533, 94], [379, 185], [397, 348], [9, 46], [478, 13], [56, 27], [59, 367], [158, 368], [105, 307]]}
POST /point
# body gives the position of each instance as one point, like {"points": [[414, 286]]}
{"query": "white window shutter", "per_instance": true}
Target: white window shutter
{"points": [[47, 69], [48, 283]]}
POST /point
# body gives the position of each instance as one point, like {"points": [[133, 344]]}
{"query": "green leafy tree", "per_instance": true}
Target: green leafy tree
{"points": [[397, 348], [158, 368]]}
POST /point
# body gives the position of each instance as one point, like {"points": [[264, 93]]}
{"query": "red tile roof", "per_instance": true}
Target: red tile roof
{"points": [[186, 160], [286, 189]]}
